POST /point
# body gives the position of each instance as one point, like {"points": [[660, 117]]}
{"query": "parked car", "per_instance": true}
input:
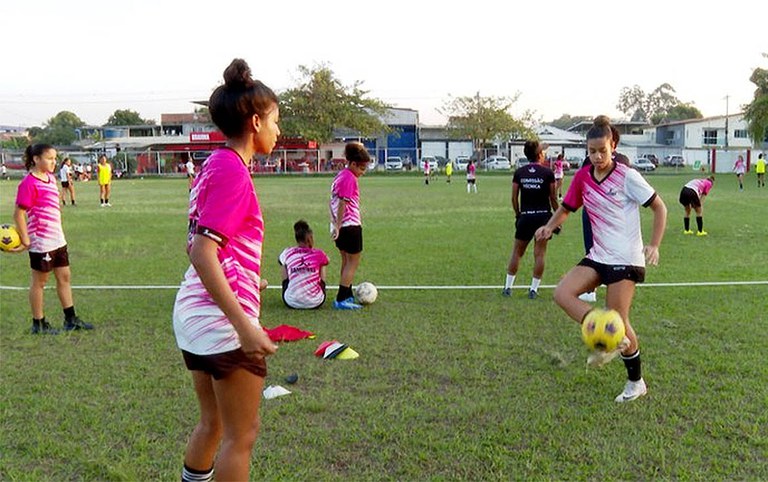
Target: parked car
{"points": [[643, 164], [461, 162], [432, 163], [393, 163], [495, 163], [521, 161], [652, 158], [674, 161], [575, 162]]}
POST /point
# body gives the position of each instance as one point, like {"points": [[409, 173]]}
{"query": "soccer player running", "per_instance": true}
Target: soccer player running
{"points": [[346, 222], [692, 197], [533, 199], [612, 194], [303, 269], [740, 168], [217, 309], [760, 170]]}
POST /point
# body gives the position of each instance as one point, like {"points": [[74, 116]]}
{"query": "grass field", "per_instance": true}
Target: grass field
{"points": [[456, 384]]}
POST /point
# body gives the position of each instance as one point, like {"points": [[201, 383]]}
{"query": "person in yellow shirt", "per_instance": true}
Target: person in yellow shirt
{"points": [[104, 174], [448, 170], [760, 170]]}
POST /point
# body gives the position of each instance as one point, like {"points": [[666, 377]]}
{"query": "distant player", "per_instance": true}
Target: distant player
{"points": [[612, 193], [189, 167], [104, 175], [38, 219], [760, 170], [448, 171], [67, 181], [740, 168], [534, 200], [692, 197], [346, 222], [471, 179], [426, 172], [558, 168], [303, 269]]}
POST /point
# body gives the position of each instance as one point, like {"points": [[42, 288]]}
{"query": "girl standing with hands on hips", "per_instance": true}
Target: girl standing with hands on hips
{"points": [[216, 314], [611, 193], [38, 219]]}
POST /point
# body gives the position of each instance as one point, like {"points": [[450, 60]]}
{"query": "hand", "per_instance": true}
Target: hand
{"points": [[335, 233], [263, 284], [651, 255], [543, 233], [256, 343], [22, 247]]}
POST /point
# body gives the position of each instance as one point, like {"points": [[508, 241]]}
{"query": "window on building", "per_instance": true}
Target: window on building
{"points": [[710, 137], [740, 134]]}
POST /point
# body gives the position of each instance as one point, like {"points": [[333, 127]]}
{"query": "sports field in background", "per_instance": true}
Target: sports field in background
{"points": [[451, 384]]}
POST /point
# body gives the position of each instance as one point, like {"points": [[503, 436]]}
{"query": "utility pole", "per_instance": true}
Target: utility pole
{"points": [[726, 121]]}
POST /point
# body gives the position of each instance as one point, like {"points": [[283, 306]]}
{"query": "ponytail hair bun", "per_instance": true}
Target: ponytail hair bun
{"points": [[238, 75], [601, 127]]}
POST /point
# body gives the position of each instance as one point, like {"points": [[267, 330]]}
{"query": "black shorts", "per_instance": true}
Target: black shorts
{"points": [[65, 184], [688, 197], [222, 364], [470, 181], [613, 273], [527, 224], [350, 239], [46, 262]]}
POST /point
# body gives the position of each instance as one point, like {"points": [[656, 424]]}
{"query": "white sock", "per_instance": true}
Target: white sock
{"points": [[510, 281], [468, 188], [535, 282], [190, 475]]}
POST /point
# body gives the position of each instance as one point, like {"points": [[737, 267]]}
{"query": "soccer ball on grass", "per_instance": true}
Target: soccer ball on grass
{"points": [[366, 293], [603, 329], [9, 237]]}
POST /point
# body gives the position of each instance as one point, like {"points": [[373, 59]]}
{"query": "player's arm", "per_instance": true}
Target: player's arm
{"points": [[553, 197], [20, 220], [339, 218], [659, 224], [557, 219], [203, 256], [515, 199]]}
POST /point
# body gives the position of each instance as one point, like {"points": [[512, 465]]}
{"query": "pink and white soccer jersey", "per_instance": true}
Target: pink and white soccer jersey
{"points": [[224, 207], [345, 187], [612, 205], [700, 186], [40, 199], [303, 265]]}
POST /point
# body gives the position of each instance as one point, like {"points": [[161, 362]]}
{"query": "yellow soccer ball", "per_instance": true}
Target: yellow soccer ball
{"points": [[603, 329], [9, 237]]}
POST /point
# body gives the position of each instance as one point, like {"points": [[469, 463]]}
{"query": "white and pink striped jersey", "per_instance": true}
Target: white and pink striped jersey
{"points": [[612, 205], [224, 207], [303, 265], [701, 186], [40, 199], [345, 187]]}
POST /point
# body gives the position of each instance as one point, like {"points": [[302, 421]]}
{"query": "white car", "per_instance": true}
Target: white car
{"points": [[496, 163], [393, 163], [643, 164], [461, 163], [432, 163]]}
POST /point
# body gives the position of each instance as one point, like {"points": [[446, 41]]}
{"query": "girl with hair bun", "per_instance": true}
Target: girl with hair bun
{"points": [[611, 193], [217, 308], [303, 269]]}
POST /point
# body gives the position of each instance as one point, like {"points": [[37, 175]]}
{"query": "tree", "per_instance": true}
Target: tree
{"points": [[756, 112], [126, 117], [679, 112], [486, 119], [566, 121], [321, 103], [654, 106], [60, 130], [15, 143]]}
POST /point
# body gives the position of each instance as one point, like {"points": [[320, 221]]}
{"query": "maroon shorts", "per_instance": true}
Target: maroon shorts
{"points": [[222, 364], [45, 262]]}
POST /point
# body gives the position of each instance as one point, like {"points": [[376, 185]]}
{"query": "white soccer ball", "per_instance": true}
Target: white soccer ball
{"points": [[366, 293]]}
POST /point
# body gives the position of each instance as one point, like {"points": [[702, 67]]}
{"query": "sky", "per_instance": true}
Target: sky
{"points": [[559, 56]]}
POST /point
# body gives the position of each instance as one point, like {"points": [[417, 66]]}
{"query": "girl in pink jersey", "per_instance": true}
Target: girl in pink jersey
{"points": [[346, 223], [217, 309], [692, 197], [740, 168], [303, 269], [611, 193], [38, 220], [558, 168]]}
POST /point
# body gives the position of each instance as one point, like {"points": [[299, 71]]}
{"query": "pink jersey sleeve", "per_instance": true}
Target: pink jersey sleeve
{"points": [[573, 198], [25, 194], [225, 206], [346, 186]]}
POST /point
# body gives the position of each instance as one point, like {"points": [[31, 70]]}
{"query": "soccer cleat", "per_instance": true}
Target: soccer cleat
{"points": [[44, 328], [348, 304], [532, 295], [76, 323], [701, 233], [599, 358], [632, 391], [687, 231], [506, 292], [589, 297]]}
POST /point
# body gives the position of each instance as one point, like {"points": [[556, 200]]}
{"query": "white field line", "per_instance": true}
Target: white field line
{"points": [[399, 287]]}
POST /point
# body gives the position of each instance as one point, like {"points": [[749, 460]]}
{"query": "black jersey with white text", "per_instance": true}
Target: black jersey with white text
{"points": [[534, 181]]}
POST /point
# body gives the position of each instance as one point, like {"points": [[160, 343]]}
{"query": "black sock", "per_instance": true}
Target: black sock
{"points": [[345, 292], [632, 363], [38, 323], [700, 223], [69, 313], [192, 475], [106, 200], [687, 223]]}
